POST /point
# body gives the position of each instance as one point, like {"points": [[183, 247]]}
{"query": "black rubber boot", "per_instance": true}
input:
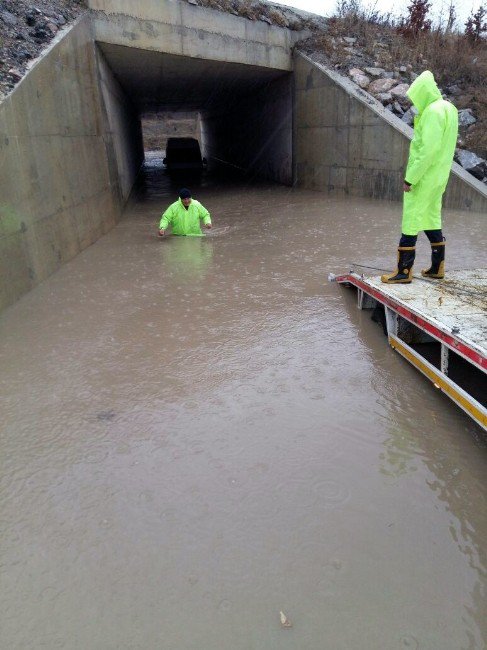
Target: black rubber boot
{"points": [[404, 272], [437, 268]]}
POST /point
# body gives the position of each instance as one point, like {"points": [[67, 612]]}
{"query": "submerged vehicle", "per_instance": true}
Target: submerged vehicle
{"points": [[184, 154]]}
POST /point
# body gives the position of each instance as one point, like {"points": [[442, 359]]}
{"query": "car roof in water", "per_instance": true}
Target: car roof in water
{"points": [[183, 143]]}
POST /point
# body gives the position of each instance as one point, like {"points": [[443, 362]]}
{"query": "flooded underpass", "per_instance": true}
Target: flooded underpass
{"points": [[200, 433]]}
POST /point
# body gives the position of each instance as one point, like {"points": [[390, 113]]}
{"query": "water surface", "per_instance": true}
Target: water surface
{"points": [[199, 433]]}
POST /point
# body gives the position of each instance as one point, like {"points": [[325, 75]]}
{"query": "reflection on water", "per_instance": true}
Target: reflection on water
{"points": [[198, 433], [399, 455], [186, 257]]}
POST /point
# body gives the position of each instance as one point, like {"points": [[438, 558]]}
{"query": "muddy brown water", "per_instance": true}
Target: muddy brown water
{"points": [[197, 434]]}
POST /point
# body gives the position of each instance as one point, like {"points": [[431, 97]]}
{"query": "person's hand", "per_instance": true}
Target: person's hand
{"points": [[406, 187], [162, 233], [208, 226]]}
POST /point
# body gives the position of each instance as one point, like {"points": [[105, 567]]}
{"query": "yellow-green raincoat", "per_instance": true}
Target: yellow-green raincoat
{"points": [[185, 221], [430, 155]]}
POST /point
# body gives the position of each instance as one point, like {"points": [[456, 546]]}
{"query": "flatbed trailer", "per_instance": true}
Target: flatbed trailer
{"points": [[440, 327]]}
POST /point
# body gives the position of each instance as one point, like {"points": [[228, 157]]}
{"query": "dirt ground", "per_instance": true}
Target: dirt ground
{"points": [[25, 30]]}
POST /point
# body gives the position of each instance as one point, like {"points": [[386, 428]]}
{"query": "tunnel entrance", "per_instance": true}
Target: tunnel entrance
{"points": [[240, 114], [159, 126]]}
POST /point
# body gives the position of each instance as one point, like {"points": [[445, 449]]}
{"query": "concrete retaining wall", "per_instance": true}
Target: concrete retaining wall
{"points": [[347, 142], [59, 163]]}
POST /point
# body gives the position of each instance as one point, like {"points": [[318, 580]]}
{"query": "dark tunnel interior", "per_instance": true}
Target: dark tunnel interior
{"points": [[241, 115]]}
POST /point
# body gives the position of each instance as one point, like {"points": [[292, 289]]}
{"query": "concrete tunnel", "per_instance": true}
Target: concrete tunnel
{"points": [[245, 111]]}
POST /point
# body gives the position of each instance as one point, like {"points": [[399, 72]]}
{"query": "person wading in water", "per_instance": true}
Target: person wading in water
{"points": [[184, 216]]}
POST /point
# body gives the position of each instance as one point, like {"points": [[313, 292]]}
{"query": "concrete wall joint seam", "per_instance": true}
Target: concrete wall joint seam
{"points": [[109, 18]]}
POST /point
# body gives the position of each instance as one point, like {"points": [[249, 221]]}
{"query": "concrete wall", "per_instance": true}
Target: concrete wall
{"points": [[255, 134], [187, 30], [59, 188], [125, 147], [347, 142]]}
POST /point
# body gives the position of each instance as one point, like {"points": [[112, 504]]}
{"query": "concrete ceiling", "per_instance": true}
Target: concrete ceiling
{"points": [[158, 81]]}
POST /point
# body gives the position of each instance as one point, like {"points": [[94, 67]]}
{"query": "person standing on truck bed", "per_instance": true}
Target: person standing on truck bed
{"points": [[429, 165]]}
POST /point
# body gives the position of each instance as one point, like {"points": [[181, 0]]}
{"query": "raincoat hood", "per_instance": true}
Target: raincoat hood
{"points": [[423, 91], [430, 156]]}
